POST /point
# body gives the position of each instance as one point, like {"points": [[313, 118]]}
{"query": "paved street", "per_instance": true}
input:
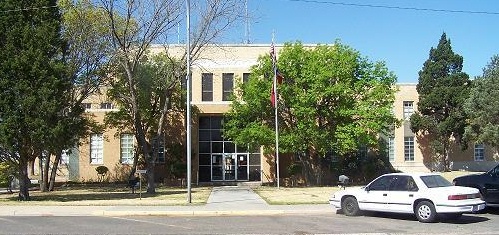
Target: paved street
{"points": [[229, 210], [328, 223]]}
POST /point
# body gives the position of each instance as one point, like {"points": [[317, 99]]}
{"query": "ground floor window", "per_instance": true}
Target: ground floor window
{"points": [[391, 149], [126, 148], [221, 159], [479, 152], [96, 149], [409, 148]]}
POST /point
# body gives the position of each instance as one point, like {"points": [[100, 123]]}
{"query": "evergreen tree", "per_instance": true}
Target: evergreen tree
{"points": [[33, 81], [442, 88], [482, 107]]}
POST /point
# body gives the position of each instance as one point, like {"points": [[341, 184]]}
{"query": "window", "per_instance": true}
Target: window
{"points": [[409, 148], [382, 183], [403, 183], [207, 87], [408, 109], [479, 152], [161, 154], [435, 181], [227, 85], [362, 151], [86, 105], [106, 105], [391, 149], [64, 157], [126, 149], [246, 77], [96, 148]]}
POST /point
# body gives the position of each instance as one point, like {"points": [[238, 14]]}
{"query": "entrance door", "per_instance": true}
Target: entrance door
{"points": [[242, 167], [229, 167]]}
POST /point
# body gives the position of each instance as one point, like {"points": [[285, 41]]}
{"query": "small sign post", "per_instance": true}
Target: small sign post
{"points": [[140, 172]]}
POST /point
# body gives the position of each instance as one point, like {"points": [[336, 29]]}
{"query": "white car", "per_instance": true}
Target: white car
{"points": [[425, 195]]}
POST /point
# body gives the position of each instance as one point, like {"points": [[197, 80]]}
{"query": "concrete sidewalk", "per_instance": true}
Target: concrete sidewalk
{"points": [[226, 200]]}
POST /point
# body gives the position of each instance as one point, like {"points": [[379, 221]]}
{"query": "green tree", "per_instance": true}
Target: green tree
{"points": [[482, 107], [134, 26], [442, 88], [33, 80], [160, 98], [332, 100], [87, 60]]}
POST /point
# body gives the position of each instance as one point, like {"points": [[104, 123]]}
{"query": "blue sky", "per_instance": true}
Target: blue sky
{"points": [[401, 38]]}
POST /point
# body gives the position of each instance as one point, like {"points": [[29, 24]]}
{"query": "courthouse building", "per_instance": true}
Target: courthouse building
{"points": [[216, 159]]}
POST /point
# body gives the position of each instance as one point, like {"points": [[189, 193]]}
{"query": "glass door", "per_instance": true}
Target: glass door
{"points": [[242, 167], [229, 167], [216, 167]]}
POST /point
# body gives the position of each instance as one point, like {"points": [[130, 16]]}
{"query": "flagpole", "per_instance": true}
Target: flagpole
{"points": [[188, 118], [274, 84]]}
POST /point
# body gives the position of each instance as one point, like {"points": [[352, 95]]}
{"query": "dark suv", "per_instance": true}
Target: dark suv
{"points": [[487, 183]]}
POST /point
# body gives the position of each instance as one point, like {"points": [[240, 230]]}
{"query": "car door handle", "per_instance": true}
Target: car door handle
{"points": [[384, 195], [411, 195]]}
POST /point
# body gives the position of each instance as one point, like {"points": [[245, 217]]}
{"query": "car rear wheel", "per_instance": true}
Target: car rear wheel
{"points": [[350, 206], [425, 212]]}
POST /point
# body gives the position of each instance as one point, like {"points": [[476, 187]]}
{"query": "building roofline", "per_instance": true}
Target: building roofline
{"points": [[237, 45], [406, 84]]}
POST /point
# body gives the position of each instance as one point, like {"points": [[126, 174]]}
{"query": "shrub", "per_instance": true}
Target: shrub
{"points": [[6, 171], [101, 172]]}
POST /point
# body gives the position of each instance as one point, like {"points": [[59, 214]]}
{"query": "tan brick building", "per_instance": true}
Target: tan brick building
{"points": [[215, 159]]}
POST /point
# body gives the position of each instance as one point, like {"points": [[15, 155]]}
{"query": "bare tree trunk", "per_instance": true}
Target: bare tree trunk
{"points": [[23, 180], [151, 186], [53, 172], [41, 171], [135, 162], [45, 178]]}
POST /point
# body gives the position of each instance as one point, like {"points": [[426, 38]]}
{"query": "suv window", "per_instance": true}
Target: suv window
{"points": [[495, 171]]}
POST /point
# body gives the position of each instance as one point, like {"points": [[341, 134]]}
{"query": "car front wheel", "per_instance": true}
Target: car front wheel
{"points": [[350, 206], [425, 212]]}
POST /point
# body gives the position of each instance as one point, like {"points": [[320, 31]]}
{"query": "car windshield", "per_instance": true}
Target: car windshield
{"points": [[435, 181]]}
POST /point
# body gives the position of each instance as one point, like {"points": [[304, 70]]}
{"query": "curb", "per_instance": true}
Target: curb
{"points": [[209, 213]]}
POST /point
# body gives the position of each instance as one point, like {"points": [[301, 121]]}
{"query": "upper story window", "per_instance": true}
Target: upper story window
{"points": [[96, 149], [479, 152], [408, 109], [106, 105], [246, 77], [207, 87], [409, 148], [227, 86]]}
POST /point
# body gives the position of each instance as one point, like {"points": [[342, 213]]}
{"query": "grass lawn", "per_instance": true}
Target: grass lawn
{"points": [[110, 195], [297, 195], [113, 195]]}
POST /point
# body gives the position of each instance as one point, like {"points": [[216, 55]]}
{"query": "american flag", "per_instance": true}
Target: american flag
{"points": [[272, 54]]}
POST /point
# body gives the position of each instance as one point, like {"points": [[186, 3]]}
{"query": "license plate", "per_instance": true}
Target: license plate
{"points": [[478, 207]]}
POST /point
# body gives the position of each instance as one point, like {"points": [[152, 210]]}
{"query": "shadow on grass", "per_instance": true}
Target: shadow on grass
{"points": [[93, 192]]}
